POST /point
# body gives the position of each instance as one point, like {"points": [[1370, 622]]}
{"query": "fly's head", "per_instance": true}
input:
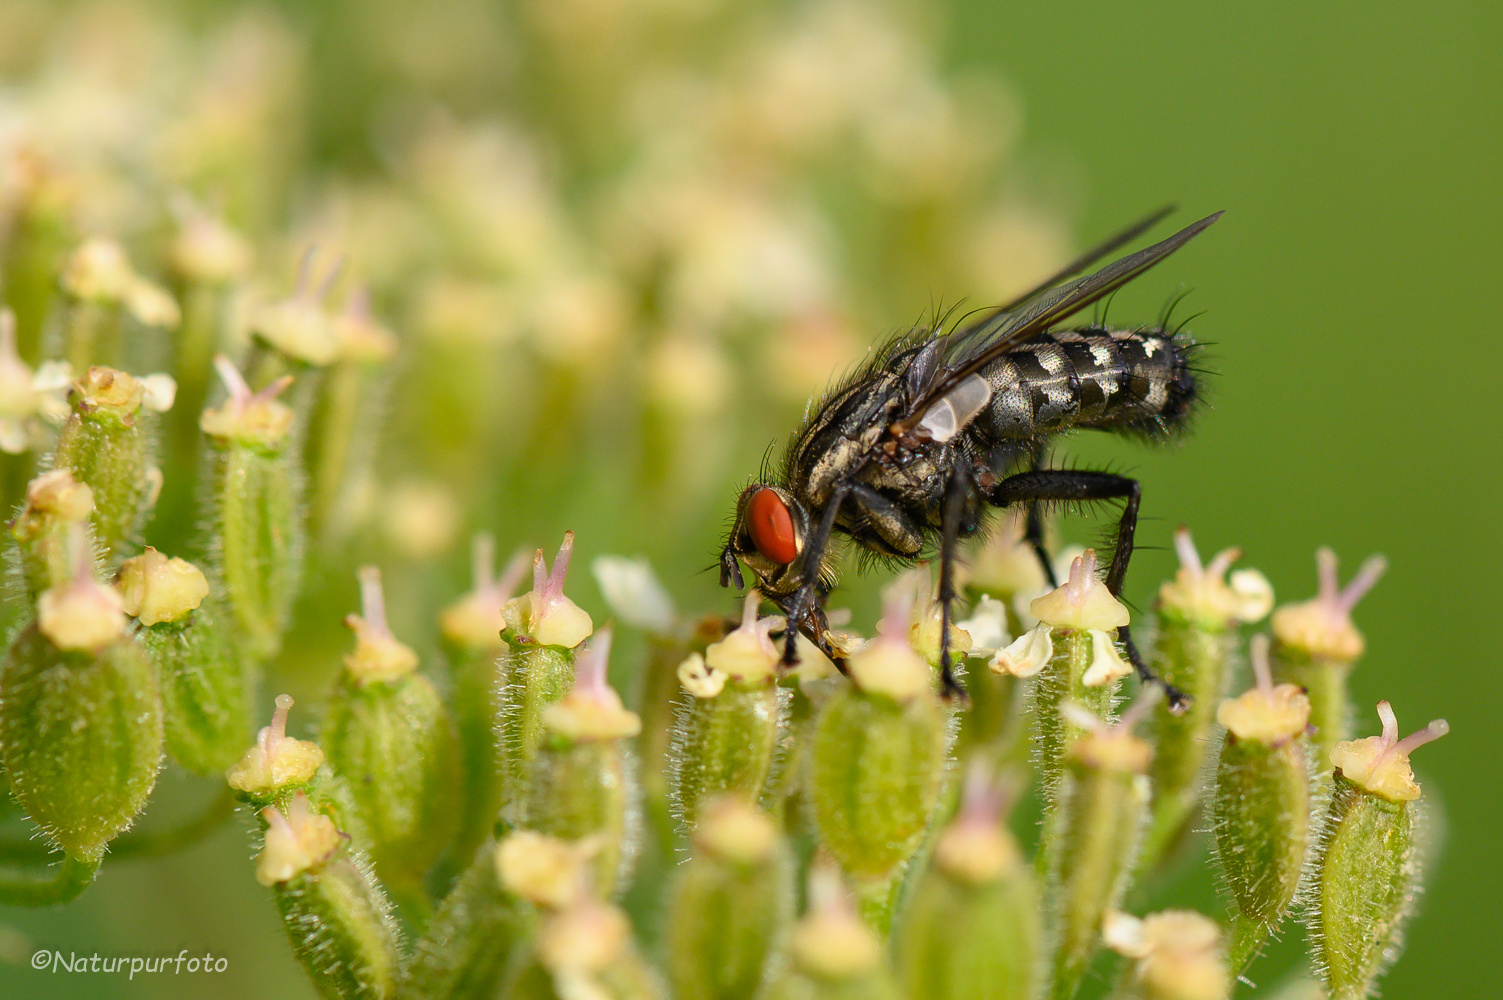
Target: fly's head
{"points": [[769, 533]]}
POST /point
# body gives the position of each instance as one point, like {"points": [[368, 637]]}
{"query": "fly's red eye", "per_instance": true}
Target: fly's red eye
{"points": [[771, 527]]}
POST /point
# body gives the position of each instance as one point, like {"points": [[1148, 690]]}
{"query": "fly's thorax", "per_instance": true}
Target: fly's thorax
{"points": [[842, 433], [1131, 380]]}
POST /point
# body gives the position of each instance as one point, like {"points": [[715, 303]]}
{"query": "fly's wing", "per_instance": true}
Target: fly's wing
{"points": [[997, 335]]}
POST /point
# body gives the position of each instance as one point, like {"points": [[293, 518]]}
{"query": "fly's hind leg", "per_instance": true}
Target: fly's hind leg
{"points": [[1045, 485]]}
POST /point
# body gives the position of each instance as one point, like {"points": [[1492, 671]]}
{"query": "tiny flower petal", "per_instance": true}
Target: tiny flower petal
{"points": [[700, 679], [987, 627], [1027, 654], [1107, 664]]}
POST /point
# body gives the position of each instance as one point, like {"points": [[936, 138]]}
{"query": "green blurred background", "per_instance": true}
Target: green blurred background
{"points": [[1347, 295]]}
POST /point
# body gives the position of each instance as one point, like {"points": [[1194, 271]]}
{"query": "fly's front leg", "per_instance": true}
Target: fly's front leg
{"points": [[1046, 485], [956, 494], [1033, 524], [805, 600]]}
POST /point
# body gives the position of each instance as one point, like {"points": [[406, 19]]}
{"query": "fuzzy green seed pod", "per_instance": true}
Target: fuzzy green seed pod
{"points": [[972, 927], [54, 501], [730, 906], [472, 939], [1177, 955], [1261, 804], [257, 523], [387, 731], [543, 627], [471, 632], [337, 918], [582, 783], [105, 445], [1102, 802], [1199, 611], [877, 755], [206, 689], [1085, 669], [726, 734], [80, 715], [1366, 863], [833, 954], [1316, 645]]}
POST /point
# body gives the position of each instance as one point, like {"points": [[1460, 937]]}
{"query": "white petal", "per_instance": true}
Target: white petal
{"points": [[1107, 664], [699, 678], [632, 590], [13, 436], [52, 376], [987, 627], [1027, 654], [1254, 594], [1123, 933], [160, 392]]}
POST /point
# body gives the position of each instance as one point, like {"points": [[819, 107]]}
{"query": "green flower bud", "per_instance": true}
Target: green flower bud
{"points": [[1316, 645], [730, 906], [1085, 670], [1177, 955], [105, 446], [387, 732], [834, 954], [54, 501], [726, 733], [542, 629], [1366, 863], [206, 692], [337, 918], [471, 631], [80, 716], [1261, 804], [257, 523], [877, 755], [1101, 807], [972, 927], [472, 938], [582, 782], [1198, 616]]}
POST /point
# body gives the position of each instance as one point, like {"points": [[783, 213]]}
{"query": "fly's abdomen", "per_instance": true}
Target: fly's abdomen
{"points": [[1137, 381]]}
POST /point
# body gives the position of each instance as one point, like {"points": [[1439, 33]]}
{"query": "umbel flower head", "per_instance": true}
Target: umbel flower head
{"points": [[475, 620], [1381, 763], [250, 418], [1204, 595], [746, 654], [544, 616], [275, 761], [1322, 627], [378, 655]]}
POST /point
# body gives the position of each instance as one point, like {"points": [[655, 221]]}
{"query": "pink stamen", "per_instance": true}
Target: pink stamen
{"points": [[555, 586], [539, 573], [1325, 569], [1434, 731], [1139, 709], [482, 560], [590, 667], [239, 392], [1222, 562], [1258, 653], [750, 608], [1082, 576], [330, 280], [1371, 572], [358, 305], [373, 601], [1184, 547], [510, 577], [1390, 723], [981, 799], [305, 271], [272, 736], [273, 390], [897, 604]]}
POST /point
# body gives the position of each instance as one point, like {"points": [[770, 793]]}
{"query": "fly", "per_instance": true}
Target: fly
{"points": [[939, 426]]}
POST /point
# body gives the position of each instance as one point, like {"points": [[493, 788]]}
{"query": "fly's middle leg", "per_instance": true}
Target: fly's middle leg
{"points": [[956, 493], [1046, 485]]}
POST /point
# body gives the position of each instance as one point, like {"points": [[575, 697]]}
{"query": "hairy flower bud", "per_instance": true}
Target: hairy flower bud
{"points": [[337, 918], [876, 764], [390, 736], [725, 734], [834, 954], [730, 906], [1261, 804], [80, 723], [972, 927], [582, 782], [1366, 865]]}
